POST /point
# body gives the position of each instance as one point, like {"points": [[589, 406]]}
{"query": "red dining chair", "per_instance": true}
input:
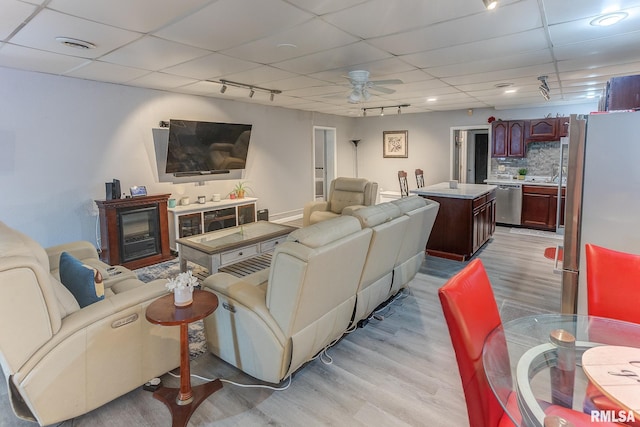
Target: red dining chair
{"points": [[611, 284], [612, 281], [471, 313]]}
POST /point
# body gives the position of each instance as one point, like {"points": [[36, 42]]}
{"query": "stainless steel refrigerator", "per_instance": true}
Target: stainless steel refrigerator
{"points": [[602, 195]]}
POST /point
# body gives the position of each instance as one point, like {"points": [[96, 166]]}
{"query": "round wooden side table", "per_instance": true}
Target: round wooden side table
{"points": [[183, 401]]}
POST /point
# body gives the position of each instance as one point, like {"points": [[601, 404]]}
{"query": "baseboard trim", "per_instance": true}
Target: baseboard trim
{"points": [[286, 216]]}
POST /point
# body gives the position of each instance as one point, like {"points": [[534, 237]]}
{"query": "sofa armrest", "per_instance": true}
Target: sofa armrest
{"points": [[80, 250], [91, 314], [311, 207]]}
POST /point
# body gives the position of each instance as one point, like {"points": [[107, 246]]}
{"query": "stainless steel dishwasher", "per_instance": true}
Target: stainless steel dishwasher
{"points": [[509, 204]]}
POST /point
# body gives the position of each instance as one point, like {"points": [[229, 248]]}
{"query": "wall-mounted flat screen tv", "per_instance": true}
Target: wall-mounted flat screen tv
{"points": [[196, 147]]}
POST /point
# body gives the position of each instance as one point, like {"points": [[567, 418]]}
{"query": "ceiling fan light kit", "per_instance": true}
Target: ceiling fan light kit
{"points": [[361, 86]]}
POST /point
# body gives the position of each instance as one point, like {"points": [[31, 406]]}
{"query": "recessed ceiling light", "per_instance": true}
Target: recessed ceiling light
{"points": [[490, 4], [432, 99], [287, 45], [510, 91], [75, 43], [609, 19], [503, 85]]}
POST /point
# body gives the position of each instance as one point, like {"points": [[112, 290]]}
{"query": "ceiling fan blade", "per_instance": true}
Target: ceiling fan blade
{"points": [[387, 82], [382, 89]]}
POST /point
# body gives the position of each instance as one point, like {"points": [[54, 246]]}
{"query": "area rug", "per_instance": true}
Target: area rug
{"points": [[550, 253], [171, 268]]}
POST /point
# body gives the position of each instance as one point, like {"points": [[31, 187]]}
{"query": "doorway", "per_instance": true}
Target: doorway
{"points": [[324, 160], [470, 154]]}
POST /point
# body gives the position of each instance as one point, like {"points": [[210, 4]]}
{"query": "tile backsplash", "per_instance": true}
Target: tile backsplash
{"points": [[541, 159]]}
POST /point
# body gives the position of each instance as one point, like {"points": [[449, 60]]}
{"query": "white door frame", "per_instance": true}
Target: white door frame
{"points": [[452, 146], [330, 162]]}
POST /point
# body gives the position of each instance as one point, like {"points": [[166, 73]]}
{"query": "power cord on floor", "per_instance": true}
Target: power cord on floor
{"points": [[324, 355], [268, 387]]}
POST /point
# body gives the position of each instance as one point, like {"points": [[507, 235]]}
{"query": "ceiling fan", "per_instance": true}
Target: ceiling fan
{"points": [[360, 86]]}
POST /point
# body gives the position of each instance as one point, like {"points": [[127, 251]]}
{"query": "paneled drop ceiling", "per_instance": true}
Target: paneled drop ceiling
{"points": [[449, 54]]}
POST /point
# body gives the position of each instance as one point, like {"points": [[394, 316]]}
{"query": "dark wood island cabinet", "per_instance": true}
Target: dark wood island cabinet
{"points": [[466, 219], [539, 207]]}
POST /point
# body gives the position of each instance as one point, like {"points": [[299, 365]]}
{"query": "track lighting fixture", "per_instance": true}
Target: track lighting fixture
{"points": [[490, 4], [544, 88], [252, 89], [399, 107]]}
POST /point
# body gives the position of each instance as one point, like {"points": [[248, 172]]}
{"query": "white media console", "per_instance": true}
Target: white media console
{"points": [[199, 218]]}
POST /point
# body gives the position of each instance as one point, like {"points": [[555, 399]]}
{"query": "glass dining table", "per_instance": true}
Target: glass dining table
{"points": [[538, 360]]}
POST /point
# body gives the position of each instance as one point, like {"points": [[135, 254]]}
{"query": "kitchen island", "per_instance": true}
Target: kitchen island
{"points": [[466, 219]]}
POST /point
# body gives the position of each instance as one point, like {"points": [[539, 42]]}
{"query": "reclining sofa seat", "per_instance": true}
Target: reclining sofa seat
{"points": [[388, 225], [270, 323], [422, 214], [59, 360], [345, 194]]}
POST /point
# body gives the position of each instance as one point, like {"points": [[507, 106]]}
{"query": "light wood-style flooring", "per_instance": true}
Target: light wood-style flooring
{"points": [[400, 371]]}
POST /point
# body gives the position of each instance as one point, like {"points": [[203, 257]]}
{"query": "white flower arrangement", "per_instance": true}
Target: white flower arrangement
{"points": [[182, 281]]}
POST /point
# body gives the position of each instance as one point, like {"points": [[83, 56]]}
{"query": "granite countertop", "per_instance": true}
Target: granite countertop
{"points": [[464, 191], [540, 182]]}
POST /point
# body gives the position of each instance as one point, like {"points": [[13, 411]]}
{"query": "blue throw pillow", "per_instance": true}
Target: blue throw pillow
{"points": [[83, 281]]}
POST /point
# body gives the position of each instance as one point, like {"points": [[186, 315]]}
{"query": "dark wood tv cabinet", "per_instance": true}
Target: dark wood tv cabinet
{"points": [[134, 231]]}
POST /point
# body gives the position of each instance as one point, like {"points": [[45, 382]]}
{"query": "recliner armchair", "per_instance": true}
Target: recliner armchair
{"points": [[344, 193], [271, 322], [59, 360]]}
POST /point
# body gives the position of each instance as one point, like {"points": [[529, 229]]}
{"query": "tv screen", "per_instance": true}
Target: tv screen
{"points": [[206, 147]]}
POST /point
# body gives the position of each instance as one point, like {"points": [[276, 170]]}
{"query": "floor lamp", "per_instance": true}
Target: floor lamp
{"points": [[355, 144]]}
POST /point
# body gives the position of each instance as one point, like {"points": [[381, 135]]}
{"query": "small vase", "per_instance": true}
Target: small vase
{"points": [[182, 297]]}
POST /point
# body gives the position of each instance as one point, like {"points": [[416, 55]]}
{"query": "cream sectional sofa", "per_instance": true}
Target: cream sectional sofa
{"points": [[322, 280], [60, 360]]}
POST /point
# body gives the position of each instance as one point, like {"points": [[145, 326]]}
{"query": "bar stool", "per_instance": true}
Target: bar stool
{"points": [[419, 178], [404, 185]]}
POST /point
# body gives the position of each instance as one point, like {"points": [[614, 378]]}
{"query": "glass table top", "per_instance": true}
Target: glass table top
{"points": [[233, 237], [539, 358]]}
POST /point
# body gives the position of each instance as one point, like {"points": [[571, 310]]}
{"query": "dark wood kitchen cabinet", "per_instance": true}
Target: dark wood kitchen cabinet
{"points": [[549, 129], [539, 205], [621, 93], [543, 129], [508, 138]]}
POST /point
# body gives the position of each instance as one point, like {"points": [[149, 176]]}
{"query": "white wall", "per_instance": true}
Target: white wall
{"points": [[61, 139], [429, 140]]}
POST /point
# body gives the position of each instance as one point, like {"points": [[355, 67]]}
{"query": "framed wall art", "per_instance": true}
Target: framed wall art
{"points": [[395, 143]]}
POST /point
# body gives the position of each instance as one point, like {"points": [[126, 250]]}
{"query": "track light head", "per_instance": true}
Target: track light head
{"points": [[272, 96], [544, 88], [381, 111], [364, 112], [490, 4], [251, 93], [223, 89]]}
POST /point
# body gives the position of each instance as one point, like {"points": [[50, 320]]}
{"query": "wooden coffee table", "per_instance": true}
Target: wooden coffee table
{"points": [[183, 401], [231, 245]]}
